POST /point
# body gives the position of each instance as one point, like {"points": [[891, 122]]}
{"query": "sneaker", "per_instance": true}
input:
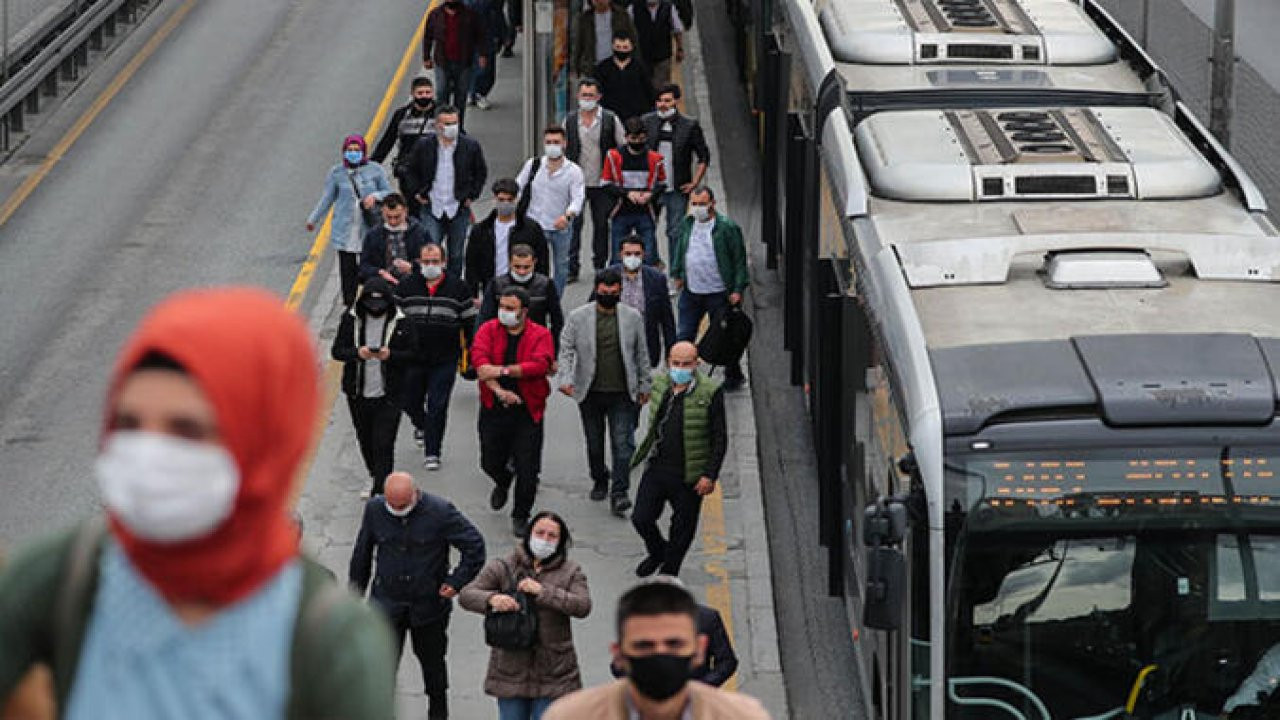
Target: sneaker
{"points": [[599, 491], [432, 462], [519, 526], [648, 566], [418, 437], [507, 51], [733, 384], [572, 277], [620, 505], [482, 102], [471, 101], [498, 498]]}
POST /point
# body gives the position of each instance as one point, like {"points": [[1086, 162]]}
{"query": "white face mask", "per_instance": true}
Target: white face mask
{"points": [[401, 513], [587, 105], [554, 152], [521, 277], [166, 489], [632, 262], [542, 549], [667, 114], [450, 131], [432, 272], [509, 318], [701, 213]]}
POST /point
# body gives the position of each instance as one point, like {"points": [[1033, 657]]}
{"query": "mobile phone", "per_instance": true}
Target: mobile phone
{"points": [[375, 349]]}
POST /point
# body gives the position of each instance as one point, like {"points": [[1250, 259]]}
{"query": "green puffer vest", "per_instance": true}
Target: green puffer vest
{"points": [[697, 411]]}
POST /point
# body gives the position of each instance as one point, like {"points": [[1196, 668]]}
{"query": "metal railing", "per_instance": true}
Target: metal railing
{"points": [[32, 71]]}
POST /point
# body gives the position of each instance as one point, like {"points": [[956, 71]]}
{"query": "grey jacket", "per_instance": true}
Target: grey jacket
{"points": [[578, 351]]}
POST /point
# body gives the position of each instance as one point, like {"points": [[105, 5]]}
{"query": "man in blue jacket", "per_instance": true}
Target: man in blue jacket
{"points": [[412, 532], [646, 289]]}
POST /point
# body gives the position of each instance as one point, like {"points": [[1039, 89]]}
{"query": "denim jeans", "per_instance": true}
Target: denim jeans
{"points": [[675, 204], [599, 202], [558, 242], [427, 391], [483, 78], [689, 312], [453, 82], [449, 233], [622, 415], [523, 708], [642, 223]]}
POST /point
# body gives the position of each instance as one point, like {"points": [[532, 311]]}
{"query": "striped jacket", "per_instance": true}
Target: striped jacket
{"points": [[445, 320]]}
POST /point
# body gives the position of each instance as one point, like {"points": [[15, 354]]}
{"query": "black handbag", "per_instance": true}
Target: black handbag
{"points": [[515, 630], [726, 337], [371, 216]]}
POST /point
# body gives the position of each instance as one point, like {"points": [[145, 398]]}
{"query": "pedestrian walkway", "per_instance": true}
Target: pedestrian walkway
{"points": [[727, 566]]}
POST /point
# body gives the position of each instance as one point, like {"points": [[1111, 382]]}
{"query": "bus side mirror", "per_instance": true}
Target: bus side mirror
{"points": [[885, 523], [886, 584]]}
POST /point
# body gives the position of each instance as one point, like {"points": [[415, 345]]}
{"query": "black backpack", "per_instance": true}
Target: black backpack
{"points": [[726, 337], [516, 630]]}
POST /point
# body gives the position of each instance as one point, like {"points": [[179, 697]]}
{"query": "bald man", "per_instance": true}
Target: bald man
{"points": [[683, 451], [411, 532]]}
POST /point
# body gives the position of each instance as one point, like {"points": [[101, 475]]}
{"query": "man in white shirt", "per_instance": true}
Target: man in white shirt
{"points": [[552, 192], [446, 173]]}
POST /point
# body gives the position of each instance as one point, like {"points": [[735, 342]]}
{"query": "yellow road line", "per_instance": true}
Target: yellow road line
{"points": [[28, 186]]}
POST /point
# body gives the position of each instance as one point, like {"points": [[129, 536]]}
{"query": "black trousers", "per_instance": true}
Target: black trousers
{"points": [[430, 644], [377, 420], [511, 439], [349, 275], [657, 488], [600, 202]]}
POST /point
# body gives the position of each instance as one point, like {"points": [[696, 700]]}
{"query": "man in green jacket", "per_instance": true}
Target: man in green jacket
{"points": [[710, 267], [684, 448]]}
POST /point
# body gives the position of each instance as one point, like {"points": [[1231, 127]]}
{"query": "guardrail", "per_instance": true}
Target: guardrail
{"points": [[32, 72]]}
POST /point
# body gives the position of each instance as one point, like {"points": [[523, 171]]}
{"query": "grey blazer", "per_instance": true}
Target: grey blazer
{"points": [[578, 351]]}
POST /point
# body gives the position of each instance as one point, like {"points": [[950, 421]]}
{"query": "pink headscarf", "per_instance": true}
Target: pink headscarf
{"points": [[364, 148]]}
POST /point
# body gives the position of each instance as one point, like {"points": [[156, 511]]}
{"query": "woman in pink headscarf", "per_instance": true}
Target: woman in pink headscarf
{"points": [[353, 188]]}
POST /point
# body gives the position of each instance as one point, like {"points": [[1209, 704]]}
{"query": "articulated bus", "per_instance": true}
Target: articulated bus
{"points": [[1034, 303]]}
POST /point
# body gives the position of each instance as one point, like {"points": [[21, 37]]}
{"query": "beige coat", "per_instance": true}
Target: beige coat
{"points": [[608, 702], [550, 669]]}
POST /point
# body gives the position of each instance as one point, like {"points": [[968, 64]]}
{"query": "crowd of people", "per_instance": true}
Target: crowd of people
{"points": [[209, 418]]}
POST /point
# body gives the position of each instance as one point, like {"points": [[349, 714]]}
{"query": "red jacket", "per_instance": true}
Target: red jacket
{"points": [[619, 182], [534, 356]]}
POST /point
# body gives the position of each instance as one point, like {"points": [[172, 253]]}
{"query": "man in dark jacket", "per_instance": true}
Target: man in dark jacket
{"points": [[391, 249], [543, 307], [645, 289], [409, 124], [455, 43], [446, 173], [625, 80], [599, 22], [722, 661], [489, 247], [444, 316], [679, 139], [410, 532], [375, 343], [658, 29], [592, 132]]}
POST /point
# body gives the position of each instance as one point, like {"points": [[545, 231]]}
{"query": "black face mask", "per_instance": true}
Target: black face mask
{"points": [[637, 147], [660, 677], [423, 102], [375, 306], [622, 55], [608, 301]]}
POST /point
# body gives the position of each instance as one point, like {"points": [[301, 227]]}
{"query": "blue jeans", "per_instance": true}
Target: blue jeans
{"points": [[558, 242], [675, 204], [642, 223], [427, 391], [522, 708], [483, 78], [622, 415], [453, 82], [449, 233], [689, 311]]}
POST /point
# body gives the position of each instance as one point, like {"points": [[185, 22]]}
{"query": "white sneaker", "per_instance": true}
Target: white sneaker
{"points": [[431, 463], [483, 103]]}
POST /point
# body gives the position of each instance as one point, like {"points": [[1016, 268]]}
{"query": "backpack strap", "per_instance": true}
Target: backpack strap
{"points": [[526, 196], [72, 602]]}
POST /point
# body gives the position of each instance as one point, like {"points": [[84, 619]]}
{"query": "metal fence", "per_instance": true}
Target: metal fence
{"points": [[1182, 44]]}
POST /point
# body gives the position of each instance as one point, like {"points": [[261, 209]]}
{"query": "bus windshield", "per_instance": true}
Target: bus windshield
{"points": [[1104, 582]]}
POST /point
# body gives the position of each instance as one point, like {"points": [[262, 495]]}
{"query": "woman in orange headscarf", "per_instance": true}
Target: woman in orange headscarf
{"points": [[193, 601]]}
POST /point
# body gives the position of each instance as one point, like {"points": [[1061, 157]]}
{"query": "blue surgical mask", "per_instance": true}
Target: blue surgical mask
{"points": [[353, 157], [680, 376]]}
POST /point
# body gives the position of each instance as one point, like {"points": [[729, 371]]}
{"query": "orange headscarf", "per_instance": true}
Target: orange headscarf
{"points": [[255, 362]]}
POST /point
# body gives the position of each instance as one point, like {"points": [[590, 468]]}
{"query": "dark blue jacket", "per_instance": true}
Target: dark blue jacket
{"points": [[659, 321], [721, 662], [373, 256], [413, 557]]}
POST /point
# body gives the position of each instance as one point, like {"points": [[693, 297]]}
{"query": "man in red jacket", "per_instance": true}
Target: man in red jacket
{"points": [[512, 357]]}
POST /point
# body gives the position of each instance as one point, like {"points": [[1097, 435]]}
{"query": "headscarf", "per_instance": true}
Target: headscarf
{"points": [[255, 362], [364, 149]]}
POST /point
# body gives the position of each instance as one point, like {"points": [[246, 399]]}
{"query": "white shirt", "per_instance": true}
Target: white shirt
{"points": [[604, 35], [554, 192], [700, 268], [501, 244], [444, 200], [666, 151], [374, 387]]}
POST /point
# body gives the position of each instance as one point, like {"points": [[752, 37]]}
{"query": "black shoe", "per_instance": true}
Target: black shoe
{"points": [[599, 491], [508, 52], [732, 384], [519, 526], [498, 498], [418, 437], [572, 277], [648, 566], [620, 505]]}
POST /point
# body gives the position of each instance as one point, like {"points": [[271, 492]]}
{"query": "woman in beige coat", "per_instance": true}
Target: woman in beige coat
{"points": [[525, 682]]}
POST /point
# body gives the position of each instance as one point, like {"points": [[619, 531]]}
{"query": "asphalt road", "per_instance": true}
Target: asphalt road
{"points": [[201, 171]]}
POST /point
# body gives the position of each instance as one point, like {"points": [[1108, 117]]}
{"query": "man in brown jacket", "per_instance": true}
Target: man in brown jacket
{"points": [[596, 28], [658, 645]]}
